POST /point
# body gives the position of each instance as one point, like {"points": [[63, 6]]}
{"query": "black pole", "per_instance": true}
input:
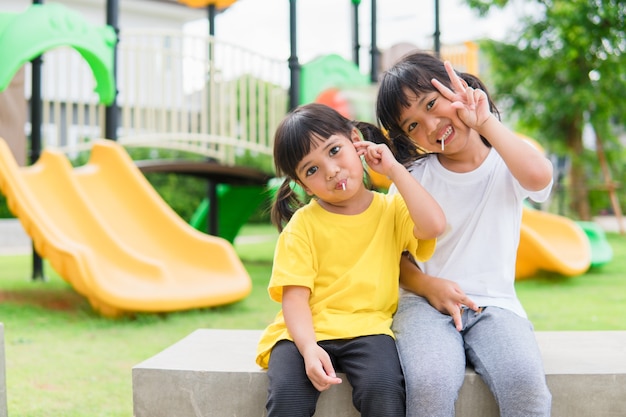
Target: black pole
{"points": [[375, 52], [111, 114], [437, 33], [356, 47], [211, 12], [294, 65], [36, 120], [212, 220]]}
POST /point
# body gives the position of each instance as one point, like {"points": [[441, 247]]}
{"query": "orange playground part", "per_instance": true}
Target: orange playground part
{"points": [[220, 4], [109, 234], [552, 243]]}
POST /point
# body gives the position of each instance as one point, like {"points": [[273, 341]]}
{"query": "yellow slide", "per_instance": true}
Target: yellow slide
{"points": [[109, 234], [552, 243]]}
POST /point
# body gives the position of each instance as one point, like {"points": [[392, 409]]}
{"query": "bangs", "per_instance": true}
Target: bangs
{"points": [[303, 130], [397, 86]]}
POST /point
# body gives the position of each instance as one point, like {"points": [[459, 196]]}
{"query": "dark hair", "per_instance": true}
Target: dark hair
{"points": [[413, 74], [293, 140]]}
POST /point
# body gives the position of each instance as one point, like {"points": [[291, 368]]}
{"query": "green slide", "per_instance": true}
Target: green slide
{"points": [[601, 250], [235, 206]]}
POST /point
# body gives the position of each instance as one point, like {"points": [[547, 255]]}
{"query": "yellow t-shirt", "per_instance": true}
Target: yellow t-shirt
{"points": [[350, 263]]}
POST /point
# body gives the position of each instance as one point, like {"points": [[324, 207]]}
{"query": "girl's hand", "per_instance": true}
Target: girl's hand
{"points": [[377, 156], [319, 368], [444, 295], [448, 298], [472, 104]]}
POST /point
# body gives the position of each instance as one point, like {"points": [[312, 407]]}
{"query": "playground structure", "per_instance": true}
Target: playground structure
{"points": [[107, 232], [551, 243], [217, 103], [101, 226], [56, 26]]}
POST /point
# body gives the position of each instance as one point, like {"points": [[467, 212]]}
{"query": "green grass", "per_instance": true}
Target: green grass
{"points": [[63, 360], [593, 301]]}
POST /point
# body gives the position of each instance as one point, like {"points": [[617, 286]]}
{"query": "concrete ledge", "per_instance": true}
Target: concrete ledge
{"points": [[212, 373]]}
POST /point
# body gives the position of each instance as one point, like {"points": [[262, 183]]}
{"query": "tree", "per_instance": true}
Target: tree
{"points": [[565, 69]]}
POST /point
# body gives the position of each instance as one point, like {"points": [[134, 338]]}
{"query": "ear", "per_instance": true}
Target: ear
{"points": [[355, 135]]}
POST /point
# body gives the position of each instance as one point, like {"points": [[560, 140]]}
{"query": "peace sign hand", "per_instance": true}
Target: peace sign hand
{"points": [[472, 104]]}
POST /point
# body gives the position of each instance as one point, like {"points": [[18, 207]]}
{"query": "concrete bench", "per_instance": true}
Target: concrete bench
{"points": [[212, 373]]}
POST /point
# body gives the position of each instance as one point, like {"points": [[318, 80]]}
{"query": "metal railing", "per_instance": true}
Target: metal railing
{"points": [[175, 91], [178, 91]]}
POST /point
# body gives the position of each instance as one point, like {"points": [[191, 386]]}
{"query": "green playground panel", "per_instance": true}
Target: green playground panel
{"points": [[235, 206], [27, 35], [328, 71], [601, 250]]}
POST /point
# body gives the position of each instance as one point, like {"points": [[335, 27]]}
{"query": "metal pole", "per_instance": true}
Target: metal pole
{"points": [[437, 33], [375, 52], [211, 12], [355, 36], [213, 212], [36, 120], [294, 65], [111, 113]]}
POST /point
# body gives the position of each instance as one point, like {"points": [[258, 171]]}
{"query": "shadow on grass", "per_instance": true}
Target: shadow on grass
{"points": [[46, 298]]}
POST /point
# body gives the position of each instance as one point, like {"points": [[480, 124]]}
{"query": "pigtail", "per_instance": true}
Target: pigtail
{"points": [[285, 204], [402, 146], [372, 133]]}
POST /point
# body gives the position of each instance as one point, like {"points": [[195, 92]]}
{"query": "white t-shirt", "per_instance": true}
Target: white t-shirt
{"points": [[483, 210]]}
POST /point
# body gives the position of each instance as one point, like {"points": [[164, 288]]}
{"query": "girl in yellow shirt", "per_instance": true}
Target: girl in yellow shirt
{"points": [[336, 265]]}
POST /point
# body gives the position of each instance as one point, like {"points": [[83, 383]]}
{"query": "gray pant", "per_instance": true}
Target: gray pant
{"points": [[497, 343]]}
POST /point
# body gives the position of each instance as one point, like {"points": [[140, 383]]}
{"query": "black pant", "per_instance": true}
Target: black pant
{"points": [[371, 364]]}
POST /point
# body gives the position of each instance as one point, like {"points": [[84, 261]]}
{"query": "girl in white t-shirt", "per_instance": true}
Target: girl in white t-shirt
{"points": [[446, 129], [336, 265]]}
